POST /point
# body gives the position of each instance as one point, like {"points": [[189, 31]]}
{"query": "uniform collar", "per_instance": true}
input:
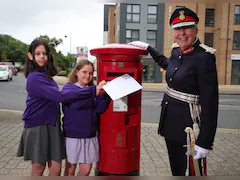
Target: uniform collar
{"points": [[190, 48]]}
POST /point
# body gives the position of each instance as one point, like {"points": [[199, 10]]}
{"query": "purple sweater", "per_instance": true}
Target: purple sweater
{"points": [[81, 117], [42, 104]]}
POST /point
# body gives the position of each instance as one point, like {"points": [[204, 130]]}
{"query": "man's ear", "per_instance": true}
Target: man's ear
{"points": [[30, 56], [196, 30]]}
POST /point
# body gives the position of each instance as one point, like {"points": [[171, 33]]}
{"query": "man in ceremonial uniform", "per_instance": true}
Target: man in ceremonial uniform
{"points": [[191, 98]]}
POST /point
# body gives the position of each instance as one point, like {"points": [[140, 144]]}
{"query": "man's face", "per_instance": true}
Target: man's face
{"points": [[185, 36]]}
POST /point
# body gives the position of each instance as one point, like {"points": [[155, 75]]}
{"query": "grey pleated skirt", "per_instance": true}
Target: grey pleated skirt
{"points": [[43, 143]]}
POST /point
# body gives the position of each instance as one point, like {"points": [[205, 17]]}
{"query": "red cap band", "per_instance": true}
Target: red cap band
{"points": [[187, 19]]}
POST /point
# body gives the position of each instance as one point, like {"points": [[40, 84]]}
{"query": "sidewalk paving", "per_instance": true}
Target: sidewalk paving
{"points": [[161, 87], [224, 160]]}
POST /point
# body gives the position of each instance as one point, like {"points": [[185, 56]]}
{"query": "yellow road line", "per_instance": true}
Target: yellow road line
{"points": [[228, 129], [9, 110], [220, 129], [153, 124]]}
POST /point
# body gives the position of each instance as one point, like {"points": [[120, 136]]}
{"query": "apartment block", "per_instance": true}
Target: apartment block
{"points": [[219, 27]]}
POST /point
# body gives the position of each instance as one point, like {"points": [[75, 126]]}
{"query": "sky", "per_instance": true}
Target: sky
{"points": [[28, 19]]}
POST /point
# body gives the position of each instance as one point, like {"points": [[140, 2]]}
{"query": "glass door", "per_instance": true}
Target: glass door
{"points": [[235, 72]]}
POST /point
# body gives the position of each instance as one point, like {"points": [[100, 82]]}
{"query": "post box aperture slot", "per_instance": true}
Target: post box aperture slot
{"points": [[117, 74]]}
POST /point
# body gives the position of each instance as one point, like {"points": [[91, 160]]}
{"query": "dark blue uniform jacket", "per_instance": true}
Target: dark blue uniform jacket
{"points": [[193, 73]]}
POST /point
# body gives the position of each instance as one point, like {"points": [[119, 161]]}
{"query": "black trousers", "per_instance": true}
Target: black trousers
{"points": [[178, 158]]}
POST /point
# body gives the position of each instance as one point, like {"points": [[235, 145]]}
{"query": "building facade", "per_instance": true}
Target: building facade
{"points": [[143, 22], [106, 21], [219, 27]]}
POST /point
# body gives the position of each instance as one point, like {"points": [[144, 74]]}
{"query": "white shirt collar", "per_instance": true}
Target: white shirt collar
{"points": [[77, 84]]}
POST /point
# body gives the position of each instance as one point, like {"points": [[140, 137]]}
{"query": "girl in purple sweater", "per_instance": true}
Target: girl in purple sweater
{"points": [[81, 120], [42, 139]]}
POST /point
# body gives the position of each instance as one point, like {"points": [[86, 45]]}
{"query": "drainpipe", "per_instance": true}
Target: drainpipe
{"points": [[197, 8], [225, 78]]}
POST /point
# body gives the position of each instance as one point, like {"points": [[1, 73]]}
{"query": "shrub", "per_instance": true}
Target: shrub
{"points": [[68, 71]]}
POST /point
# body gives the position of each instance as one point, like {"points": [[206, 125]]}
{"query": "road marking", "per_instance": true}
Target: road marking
{"points": [[152, 124], [220, 129], [224, 100], [228, 129], [153, 100], [9, 110], [229, 107], [157, 103]]}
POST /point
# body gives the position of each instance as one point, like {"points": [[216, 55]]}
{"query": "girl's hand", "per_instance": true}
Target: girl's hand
{"points": [[100, 86]]}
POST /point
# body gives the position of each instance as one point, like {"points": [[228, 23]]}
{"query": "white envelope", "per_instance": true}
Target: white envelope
{"points": [[121, 86]]}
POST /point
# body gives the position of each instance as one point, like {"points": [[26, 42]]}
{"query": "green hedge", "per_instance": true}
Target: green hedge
{"points": [[68, 71]]}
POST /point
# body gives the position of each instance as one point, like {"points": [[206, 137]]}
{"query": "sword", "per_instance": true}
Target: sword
{"points": [[193, 153], [205, 166]]}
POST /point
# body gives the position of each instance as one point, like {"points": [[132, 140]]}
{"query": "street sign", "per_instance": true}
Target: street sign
{"points": [[82, 53], [235, 56]]}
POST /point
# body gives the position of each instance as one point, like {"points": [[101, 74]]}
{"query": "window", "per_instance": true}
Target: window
{"points": [[235, 72], [209, 21], [208, 39], [236, 40], [132, 35], [148, 73], [133, 13], [237, 15], [152, 14], [151, 38]]}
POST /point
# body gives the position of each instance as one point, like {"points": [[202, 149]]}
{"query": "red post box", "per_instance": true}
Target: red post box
{"points": [[119, 135]]}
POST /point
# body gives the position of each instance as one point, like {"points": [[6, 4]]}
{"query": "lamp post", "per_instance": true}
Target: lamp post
{"points": [[70, 38]]}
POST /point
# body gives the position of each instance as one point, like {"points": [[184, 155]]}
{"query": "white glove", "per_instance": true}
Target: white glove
{"points": [[139, 44], [200, 152]]}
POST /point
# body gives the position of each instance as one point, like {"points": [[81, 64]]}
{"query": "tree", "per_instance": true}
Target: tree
{"points": [[52, 42], [4, 56], [61, 60], [14, 50]]}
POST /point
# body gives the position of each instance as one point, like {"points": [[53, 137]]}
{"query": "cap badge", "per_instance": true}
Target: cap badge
{"points": [[181, 16]]}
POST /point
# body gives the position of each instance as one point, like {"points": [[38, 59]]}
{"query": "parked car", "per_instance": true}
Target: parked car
{"points": [[5, 73]]}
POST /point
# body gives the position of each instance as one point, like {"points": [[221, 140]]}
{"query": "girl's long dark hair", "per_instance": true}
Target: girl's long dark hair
{"points": [[32, 66]]}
